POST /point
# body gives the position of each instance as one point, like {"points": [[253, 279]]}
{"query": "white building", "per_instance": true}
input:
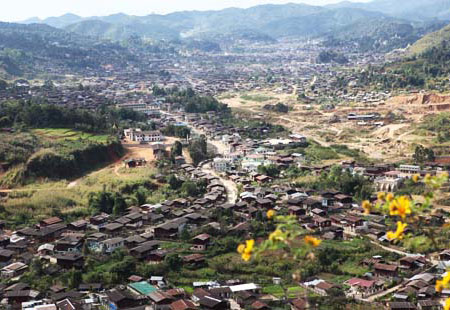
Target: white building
{"points": [[222, 164], [138, 135], [108, 246]]}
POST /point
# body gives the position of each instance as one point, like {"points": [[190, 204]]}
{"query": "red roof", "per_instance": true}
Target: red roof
{"points": [[360, 282], [182, 305]]}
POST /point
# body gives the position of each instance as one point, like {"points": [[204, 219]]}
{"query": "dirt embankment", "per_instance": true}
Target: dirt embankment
{"points": [[423, 102]]}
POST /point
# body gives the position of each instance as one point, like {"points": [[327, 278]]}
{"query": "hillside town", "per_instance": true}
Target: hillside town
{"points": [[235, 186], [240, 172]]}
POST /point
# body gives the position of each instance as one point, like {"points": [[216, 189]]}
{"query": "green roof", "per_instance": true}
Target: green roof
{"points": [[143, 287]]}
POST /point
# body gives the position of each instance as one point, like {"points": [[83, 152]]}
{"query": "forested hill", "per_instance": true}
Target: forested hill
{"points": [[264, 22], [428, 70], [58, 142], [38, 48], [434, 39]]}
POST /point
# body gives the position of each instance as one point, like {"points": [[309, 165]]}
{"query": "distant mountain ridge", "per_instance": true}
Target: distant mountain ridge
{"points": [[30, 49], [414, 10], [385, 20]]}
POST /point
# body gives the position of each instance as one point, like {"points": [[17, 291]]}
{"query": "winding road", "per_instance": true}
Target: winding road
{"points": [[221, 149]]}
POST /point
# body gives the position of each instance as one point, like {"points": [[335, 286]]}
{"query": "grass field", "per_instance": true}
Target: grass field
{"points": [[43, 198], [277, 291], [256, 98], [58, 134]]}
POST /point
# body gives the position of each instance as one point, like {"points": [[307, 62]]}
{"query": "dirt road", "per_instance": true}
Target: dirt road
{"points": [[230, 186], [221, 149]]}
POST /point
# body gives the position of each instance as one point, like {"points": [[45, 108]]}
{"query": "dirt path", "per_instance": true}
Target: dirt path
{"points": [[230, 186], [222, 149]]}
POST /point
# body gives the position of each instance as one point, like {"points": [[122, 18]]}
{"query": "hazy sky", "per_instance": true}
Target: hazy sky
{"points": [[17, 10]]}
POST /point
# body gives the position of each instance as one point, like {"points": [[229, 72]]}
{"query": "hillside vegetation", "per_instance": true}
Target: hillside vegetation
{"points": [[434, 39], [56, 142], [260, 23]]}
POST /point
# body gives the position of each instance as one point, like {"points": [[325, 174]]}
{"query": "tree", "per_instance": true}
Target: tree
{"points": [[141, 195], [75, 278], [120, 206], [174, 182], [173, 262], [101, 202], [198, 149], [269, 170], [3, 85], [422, 154], [190, 189], [177, 149], [185, 235]]}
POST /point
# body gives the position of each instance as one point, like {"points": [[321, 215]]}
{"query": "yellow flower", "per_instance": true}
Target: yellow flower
{"points": [[367, 206], [427, 178], [415, 178], [401, 206], [439, 286], [249, 245], [444, 283], [246, 257], [277, 235], [381, 196], [398, 234], [246, 249], [389, 197], [312, 241], [270, 214], [447, 304]]}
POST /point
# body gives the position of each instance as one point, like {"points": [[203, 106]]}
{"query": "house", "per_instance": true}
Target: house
{"points": [[321, 222], [299, 304], [385, 270], [68, 244], [212, 303], [94, 242], [170, 229], [13, 270], [323, 287], [135, 162], [194, 259], [263, 179], [160, 300], [223, 292], [142, 287], [201, 242], [444, 255], [110, 245], [401, 305], [98, 221], [297, 211], [363, 287], [70, 260], [50, 221], [412, 262], [17, 297], [429, 305], [112, 229], [264, 203], [79, 225], [6, 256], [144, 251], [121, 299], [259, 305], [183, 304], [138, 135]]}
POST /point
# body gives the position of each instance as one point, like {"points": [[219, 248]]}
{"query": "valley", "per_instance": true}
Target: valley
{"points": [[274, 157]]}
